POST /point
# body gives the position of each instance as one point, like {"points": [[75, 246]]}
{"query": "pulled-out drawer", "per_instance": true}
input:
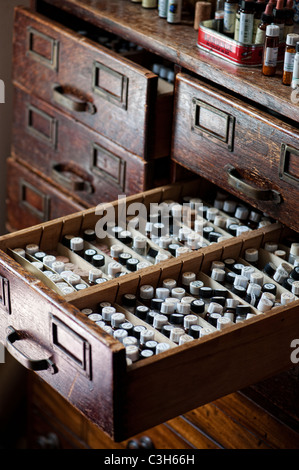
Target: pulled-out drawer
{"points": [[31, 200], [250, 153], [58, 335], [93, 84], [91, 168]]}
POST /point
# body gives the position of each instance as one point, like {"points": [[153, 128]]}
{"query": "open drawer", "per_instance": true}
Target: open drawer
{"points": [[60, 335], [246, 151], [95, 85]]}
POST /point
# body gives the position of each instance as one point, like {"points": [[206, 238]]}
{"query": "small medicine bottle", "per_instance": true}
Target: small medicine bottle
{"points": [[295, 78], [77, 245], [162, 8], [289, 56], [149, 3], [270, 50], [219, 11], [174, 12], [246, 12], [229, 18], [289, 18], [267, 18], [260, 6], [279, 17]]}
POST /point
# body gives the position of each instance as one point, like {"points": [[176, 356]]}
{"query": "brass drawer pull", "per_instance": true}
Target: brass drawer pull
{"points": [[68, 182], [32, 364], [70, 102], [255, 193]]}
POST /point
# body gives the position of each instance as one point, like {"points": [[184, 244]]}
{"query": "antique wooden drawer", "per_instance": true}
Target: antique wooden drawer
{"points": [[51, 331], [94, 85], [80, 161], [250, 153], [31, 200]]}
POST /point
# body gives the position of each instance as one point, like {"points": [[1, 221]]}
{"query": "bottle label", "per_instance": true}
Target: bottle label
{"points": [[256, 23], [260, 36], [230, 10], [288, 64], [149, 3], [271, 56], [163, 6], [237, 27], [246, 28], [174, 11]]}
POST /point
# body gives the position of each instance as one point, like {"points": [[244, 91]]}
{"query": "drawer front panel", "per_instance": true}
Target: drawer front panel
{"points": [[91, 83], [30, 200], [251, 154], [80, 161]]}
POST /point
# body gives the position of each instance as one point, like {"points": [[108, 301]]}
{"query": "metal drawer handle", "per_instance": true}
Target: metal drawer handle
{"points": [[72, 103], [255, 193], [32, 364], [68, 182]]}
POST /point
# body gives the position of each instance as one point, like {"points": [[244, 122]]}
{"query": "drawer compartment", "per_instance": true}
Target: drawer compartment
{"points": [[31, 200], [79, 161], [251, 154], [91, 366], [93, 84]]}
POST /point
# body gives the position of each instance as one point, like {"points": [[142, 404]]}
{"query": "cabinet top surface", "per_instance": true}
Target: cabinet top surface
{"points": [[178, 43]]}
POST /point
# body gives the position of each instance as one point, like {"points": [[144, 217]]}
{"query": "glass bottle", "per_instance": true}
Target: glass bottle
{"points": [[289, 18], [289, 56], [246, 12], [219, 11], [279, 17], [270, 50], [295, 78], [260, 6]]}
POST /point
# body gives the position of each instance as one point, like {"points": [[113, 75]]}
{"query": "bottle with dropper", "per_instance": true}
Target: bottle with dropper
{"points": [[266, 19], [279, 17]]}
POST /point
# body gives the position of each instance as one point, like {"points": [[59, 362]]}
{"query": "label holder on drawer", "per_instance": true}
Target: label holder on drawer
{"points": [[287, 168], [217, 124], [118, 96], [52, 61], [74, 347], [44, 213], [49, 138], [5, 295]]}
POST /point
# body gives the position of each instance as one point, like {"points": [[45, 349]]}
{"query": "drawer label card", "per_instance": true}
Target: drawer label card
{"points": [[42, 126], [110, 85], [106, 164]]}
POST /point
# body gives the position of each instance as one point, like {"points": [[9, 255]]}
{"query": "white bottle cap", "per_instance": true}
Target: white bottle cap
{"points": [[181, 250], [73, 279], [80, 286], [183, 308], [66, 290], [218, 274], [229, 315], [76, 244], [175, 334], [269, 296], [167, 307], [159, 321], [178, 292], [199, 225], [264, 304], [271, 246], [161, 257], [185, 339], [194, 287], [254, 289], [165, 241], [280, 275], [223, 322], [294, 250], [146, 335], [169, 283], [242, 229], [247, 271], [107, 312], [214, 307], [161, 347], [146, 292], [251, 255], [229, 206], [241, 212], [217, 264], [220, 221], [272, 30], [295, 288], [257, 278], [193, 240], [286, 267], [132, 352], [38, 265], [31, 249], [162, 293], [95, 317], [280, 253], [183, 233], [49, 260], [286, 298], [58, 266], [241, 281], [56, 278], [190, 320], [87, 311], [114, 268], [106, 328], [20, 252], [129, 341], [205, 331], [231, 302], [176, 210], [292, 39], [94, 274], [116, 250], [117, 319], [188, 277], [211, 213]]}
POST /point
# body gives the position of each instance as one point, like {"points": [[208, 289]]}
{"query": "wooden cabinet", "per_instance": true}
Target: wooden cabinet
{"points": [[90, 123]]}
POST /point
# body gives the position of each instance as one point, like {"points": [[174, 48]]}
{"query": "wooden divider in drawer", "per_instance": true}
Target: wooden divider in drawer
{"points": [[30, 200], [102, 89], [251, 154], [80, 161]]}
